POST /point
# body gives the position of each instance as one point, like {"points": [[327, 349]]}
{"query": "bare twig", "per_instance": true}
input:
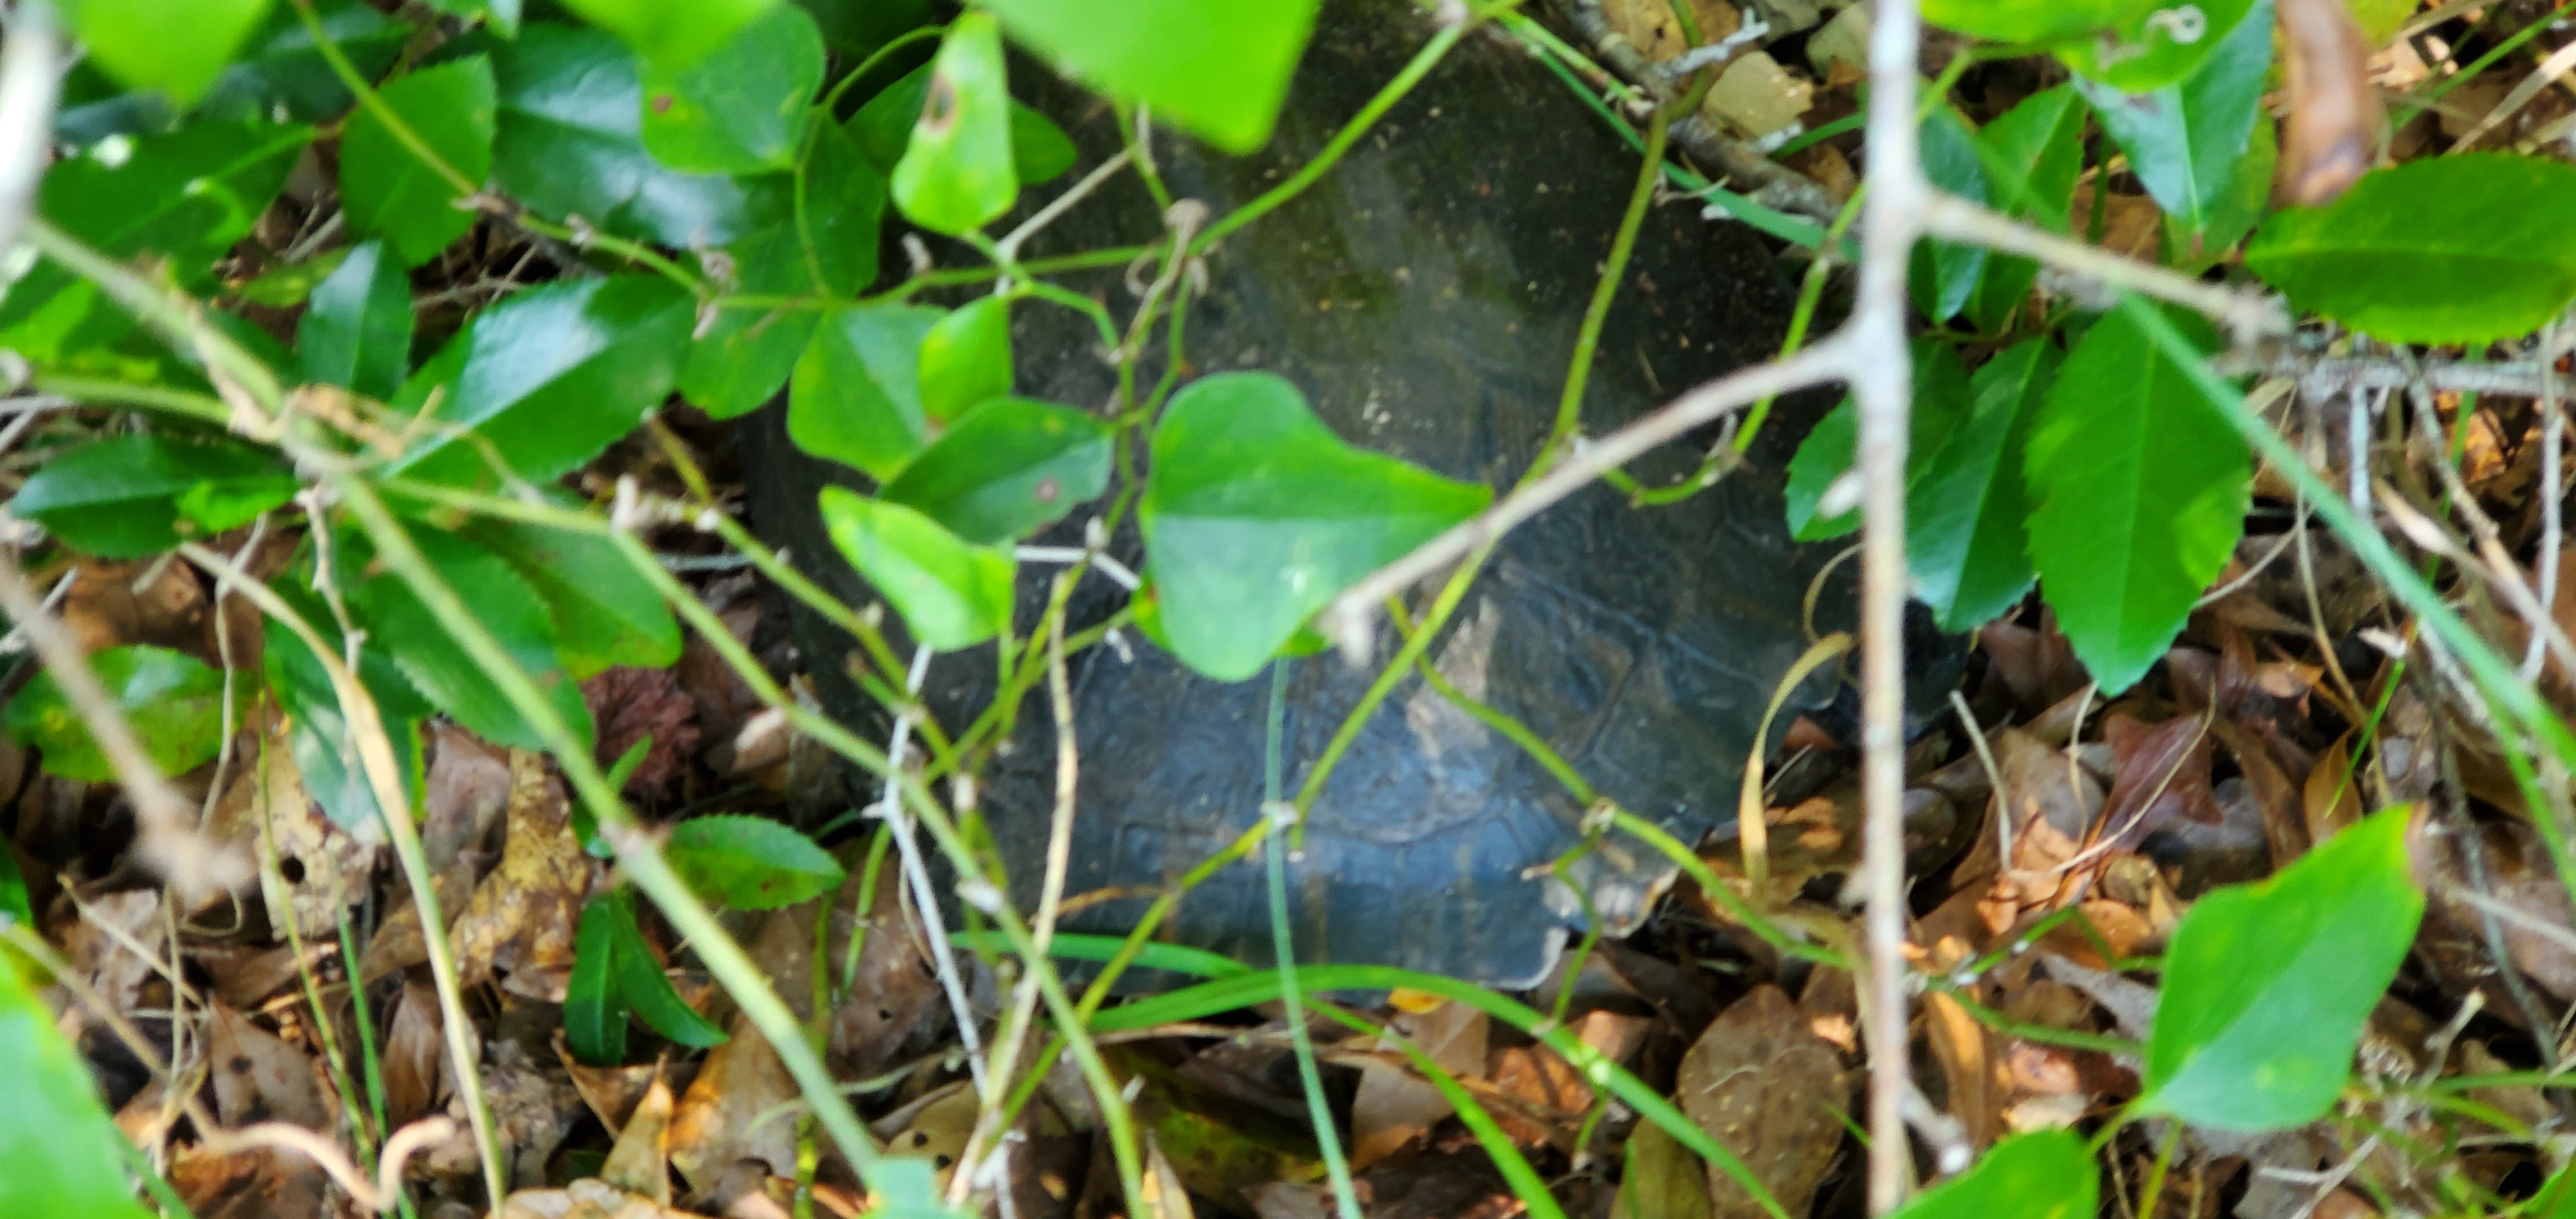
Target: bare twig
{"points": [[29, 72], [1006, 252], [2321, 376], [2246, 315], [916, 875]]}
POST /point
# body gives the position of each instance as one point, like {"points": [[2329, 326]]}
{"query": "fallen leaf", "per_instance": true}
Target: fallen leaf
{"points": [[1662, 1179], [894, 989], [1392, 1107], [611, 1092], [2333, 132], [737, 1108], [467, 789], [1650, 26], [2162, 773], [414, 1055], [1766, 1088], [640, 1162], [588, 1198], [532, 1107], [521, 920], [1966, 1051], [937, 1128], [397, 944], [262, 1183], [632, 704], [322, 870], [258, 1077], [110, 604]]}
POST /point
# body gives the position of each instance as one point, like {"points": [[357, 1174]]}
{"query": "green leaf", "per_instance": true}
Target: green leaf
{"points": [[2184, 139], [956, 175], [2446, 250], [59, 1153], [749, 863], [856, 397], [570, 143], [1007, 468], [174, 703], [276, 73], [860, 27], [440, 668], [2032, 154], [595, 1007], [503, 14], [2267, 985], [1039, 149], [1964, 511], [2248, 195], [358, 331], [121, 498], [966, 358], [2041, 1175], [1256, 514], [1941, 398], [643, 985], [908, 1188], [548, 378], [176, 46], [605, 613], [318, 731], [2156, 45], [742, 108], [186, 197], [1220, 70], [2029, 21], [744, 357], [1943, 274], [952, 593], [290, 284], [675, 33], [387, 190], [2139, 492]]}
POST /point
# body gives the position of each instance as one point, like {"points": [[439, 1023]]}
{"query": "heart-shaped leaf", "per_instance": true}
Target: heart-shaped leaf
{"points": [[2267, 985], [1964, 513], [2465, 249], [741, 109], [1220, 70], [957, 175], [59, 1153], [131, 496], [952, 593], [1256, 514], [1040, 150], [2138, 490], [137, 44], [856, 397], [439, 667], [1007, 468], [357, 332], [387, 190], [174, 704], [2185, 139], [745, 355], [749, 863]]}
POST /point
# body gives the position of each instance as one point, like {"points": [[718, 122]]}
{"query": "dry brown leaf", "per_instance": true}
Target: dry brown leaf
{"points": [[2162, 773], [937, 1127], [533, 1106], [104, 607], [588, 1198], [321, 870], [640, 1162], [1764, 1086], [467, 789], [2333, 132], [2132, 224], [2331, 797], [1392, 1107], [415, 1054], [611, 1092], [263, 1183], [1649, 25], [632, 704], [521, 920], [258, 1077], [1756, 96], [1966, 1051], [742, 1082], [895, 988], [397, 944]]}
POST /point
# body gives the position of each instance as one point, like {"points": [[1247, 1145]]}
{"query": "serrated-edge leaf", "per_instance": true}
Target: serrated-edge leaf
{"points": [[357, 331], [595, 1007], [606, 615], [2185, 140], [749, 863], [646, 989], [387, 190], [440, 668]]}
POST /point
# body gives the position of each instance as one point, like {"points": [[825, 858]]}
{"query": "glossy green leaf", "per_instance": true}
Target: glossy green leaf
{"points": [[440, 668], [605, 613], [358, 331], [174, 704], [318, 731], [745, 355], [2157, 45], [570, 143], [966, 358], [2247, 197], [549, 377], [503, 14], [1256, 514], [1040, 150], [856, 396], [2044, 1174], [390, 192], [2138, 492], [59, 1153], [952, 593], [1942, 275], [1941, 398], [2029, 21], [1220, 70], [595, 1008], [647, 989], [2032, 154], [2185, 139], [2445, 250], [956, 174], [185, 197], [741, 109], [121, 498], [176, 46], [676, 33], [1007, 468], [290, 284], [749, 863], [277, 71], [2267, 986], [1964, 511]]}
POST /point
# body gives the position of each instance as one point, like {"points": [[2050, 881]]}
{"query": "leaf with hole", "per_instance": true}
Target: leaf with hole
{"points": [[129, 496], [318, 733], [59, 1153], [951, 592], [605, 614], [2156, 45], [396, 619], [1941, 397], [956, 175], [174, 703], [676, 33], [2032, 154], [2446, 250], [2138, 491], [2267, 985], [856, 395], [2044, 1174], [1007, 468], [570, 143], [1256, 515], [137, 43], [357, 332], [1943, 275], [749, 863], [547, 379], [1040, 151], [743, 108], [1964, 510], [2185, 139], [1220, 70], [388, 190], [595, 1008], [966, 358]]}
